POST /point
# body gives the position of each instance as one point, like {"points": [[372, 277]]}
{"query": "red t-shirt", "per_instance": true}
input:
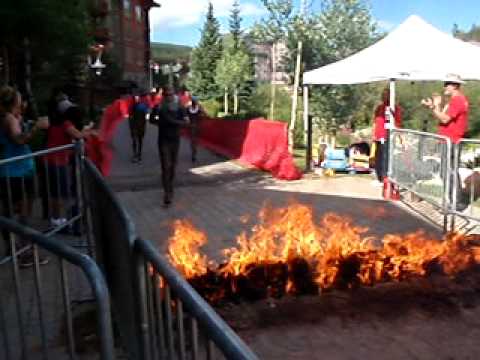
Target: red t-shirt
{"points": [[58, 136], [380, 131], [458, 112]]}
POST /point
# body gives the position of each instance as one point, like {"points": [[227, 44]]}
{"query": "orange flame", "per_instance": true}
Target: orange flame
{"points": [[337, 252], [183, 249]]}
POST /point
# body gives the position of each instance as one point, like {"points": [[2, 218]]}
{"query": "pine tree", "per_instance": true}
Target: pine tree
{"points": [[235, 25], [205, 57]]}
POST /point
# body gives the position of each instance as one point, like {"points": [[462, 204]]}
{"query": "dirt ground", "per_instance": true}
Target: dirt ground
{"points": [[434, 318]]}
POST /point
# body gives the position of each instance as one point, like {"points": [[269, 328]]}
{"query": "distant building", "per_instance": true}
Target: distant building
{"points": [[123, 27], [267, 57]]}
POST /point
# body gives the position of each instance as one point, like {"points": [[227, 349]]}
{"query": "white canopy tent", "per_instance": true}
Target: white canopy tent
{"points": [[415, 50]]}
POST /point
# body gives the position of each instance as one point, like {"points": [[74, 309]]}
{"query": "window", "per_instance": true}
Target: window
{"points": [[126, 7], [138, 13]]}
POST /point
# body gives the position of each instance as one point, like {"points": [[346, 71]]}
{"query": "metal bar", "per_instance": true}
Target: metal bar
{"points": [[194, 338], [3, 327], [151, 311], [18, 299], [210, 350], [169, 327], [416, 132], [89, 267], [450, 203], [181, 330], [159, 313], [143, 328], [63, 226], [68, 311], [36, 154], [224, 337], [47, 188], [38, 292]]}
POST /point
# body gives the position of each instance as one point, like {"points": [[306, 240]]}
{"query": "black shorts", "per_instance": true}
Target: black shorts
{"points": [[60, 183]]}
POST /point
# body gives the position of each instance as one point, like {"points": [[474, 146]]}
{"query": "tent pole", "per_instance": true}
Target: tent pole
{"points": [[307, 128], [388, 148]]}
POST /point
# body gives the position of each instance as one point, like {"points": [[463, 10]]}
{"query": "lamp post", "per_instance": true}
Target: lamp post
{"points": [[155, 67], [96, 66]]}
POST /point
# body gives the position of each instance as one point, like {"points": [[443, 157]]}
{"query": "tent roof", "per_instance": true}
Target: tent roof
{"points": [[415, 50]]}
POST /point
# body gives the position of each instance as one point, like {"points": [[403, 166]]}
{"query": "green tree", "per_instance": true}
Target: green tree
{"points": [[45, 41], [273, 29], [205, 57], [344, 28], [233, 71], [235, 23]]}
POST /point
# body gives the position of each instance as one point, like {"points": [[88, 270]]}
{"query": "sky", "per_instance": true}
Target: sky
{"points": [[180, 21]]}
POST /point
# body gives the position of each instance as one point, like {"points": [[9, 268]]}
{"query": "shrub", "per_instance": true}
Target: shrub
{"points": [[211, 107]]}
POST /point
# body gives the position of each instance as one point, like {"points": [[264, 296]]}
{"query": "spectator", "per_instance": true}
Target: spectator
{"points": [[194, 113], [452, 121], [169, 116], [380, 134], [17, 178], [62, 132]]}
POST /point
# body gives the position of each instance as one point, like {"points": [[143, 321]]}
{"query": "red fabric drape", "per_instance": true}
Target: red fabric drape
{"points": [[98, 147], [258, 142]]}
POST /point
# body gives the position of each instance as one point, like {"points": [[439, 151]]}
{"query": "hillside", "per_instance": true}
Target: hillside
{"points": [[168, 53]]}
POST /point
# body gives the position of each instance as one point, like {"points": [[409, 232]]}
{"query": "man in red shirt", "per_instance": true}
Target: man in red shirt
{"points": [[452, 119], [380, 133]]}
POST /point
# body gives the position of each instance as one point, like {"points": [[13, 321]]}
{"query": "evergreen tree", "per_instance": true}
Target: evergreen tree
{"points": [[205, 57], [235, 25]]}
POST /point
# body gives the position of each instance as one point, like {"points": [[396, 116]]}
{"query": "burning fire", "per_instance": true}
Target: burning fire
{"points": [[288, 253]]}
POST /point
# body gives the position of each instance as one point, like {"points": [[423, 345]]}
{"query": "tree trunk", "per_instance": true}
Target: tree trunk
{"points": [[273, 89], [28, 78], [225, 101], [235, 101], [296, 83]]}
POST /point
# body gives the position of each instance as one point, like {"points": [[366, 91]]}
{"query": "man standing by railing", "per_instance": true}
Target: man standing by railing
{"points": [[452, 119]]}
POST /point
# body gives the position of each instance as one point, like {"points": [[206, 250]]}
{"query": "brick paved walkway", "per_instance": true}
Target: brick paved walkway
{"points": [[215, 193]]}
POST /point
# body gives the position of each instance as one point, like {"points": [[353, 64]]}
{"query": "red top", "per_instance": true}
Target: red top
{"points": [[380, 131], [58, 136], [184, 99], [458, 112]]}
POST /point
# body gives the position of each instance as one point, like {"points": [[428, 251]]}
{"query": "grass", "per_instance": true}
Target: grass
{"points": [[299, 158]]}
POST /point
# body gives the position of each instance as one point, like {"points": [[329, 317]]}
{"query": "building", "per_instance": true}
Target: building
{"points": [[123, 27], [268, 59]]}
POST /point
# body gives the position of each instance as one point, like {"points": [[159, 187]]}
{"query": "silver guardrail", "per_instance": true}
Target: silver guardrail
{"points": [[36, 302], [466, 184], [419, 162], [151, 301]]}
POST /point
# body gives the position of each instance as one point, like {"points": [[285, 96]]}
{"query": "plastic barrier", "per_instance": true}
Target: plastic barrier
{"points": [[258, 142]]}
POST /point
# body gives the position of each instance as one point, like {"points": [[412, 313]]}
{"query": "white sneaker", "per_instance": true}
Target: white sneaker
{"points": [[376, 183], [57, 222]]}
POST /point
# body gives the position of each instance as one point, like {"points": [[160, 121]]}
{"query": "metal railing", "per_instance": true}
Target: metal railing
{"points": [[49, 196], [20, 330], [419, 162], [466, 184], [148, 295], [179, 320]]}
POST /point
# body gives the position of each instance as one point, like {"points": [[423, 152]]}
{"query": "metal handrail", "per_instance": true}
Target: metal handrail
{"points": [[222, 335], [38, 153], [90, 269]]}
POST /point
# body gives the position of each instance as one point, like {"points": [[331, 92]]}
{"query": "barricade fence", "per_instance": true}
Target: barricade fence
{"points": [[466, 183], [437, 171], [39, 315], [44, 191], [158, 314]]}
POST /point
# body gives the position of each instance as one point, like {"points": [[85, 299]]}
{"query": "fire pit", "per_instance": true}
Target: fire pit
{"points": [[286, 253]]}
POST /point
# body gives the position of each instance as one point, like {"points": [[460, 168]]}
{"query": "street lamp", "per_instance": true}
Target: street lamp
{"points": [[97, 67], [156, 68]]}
